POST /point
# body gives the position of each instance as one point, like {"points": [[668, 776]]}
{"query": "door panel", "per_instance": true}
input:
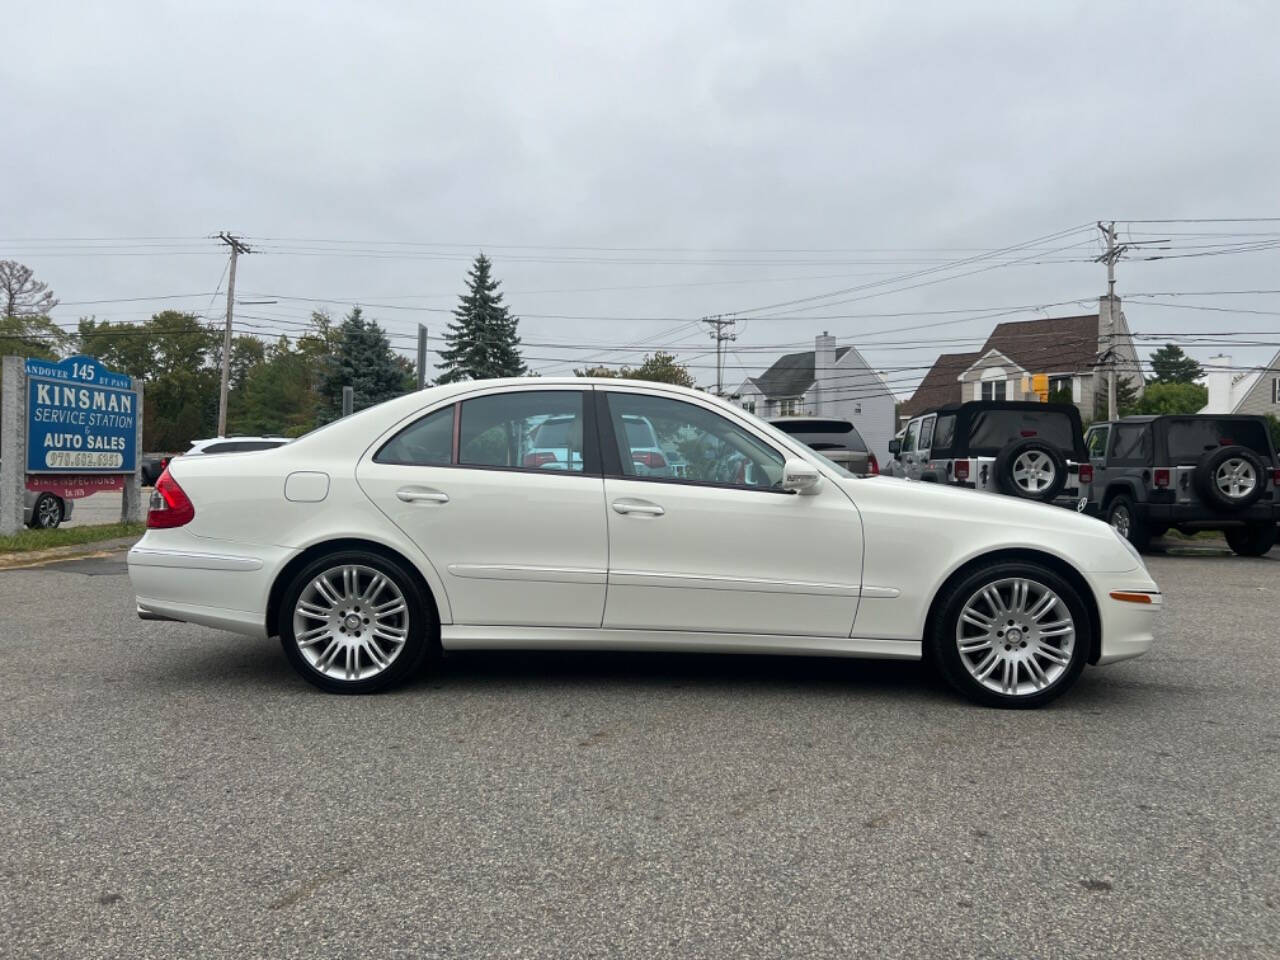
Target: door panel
{"points": [[717, 548], [513, 545]]}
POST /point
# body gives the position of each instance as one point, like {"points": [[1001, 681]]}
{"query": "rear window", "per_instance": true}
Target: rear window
{"points": [[639, 433], [815, 425], [1189, 440], [994, 429], [829, 440], [555, 433]]}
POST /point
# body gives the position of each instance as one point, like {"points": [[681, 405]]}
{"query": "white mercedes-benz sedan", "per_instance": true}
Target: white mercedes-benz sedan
{"points": [[539, 513]]}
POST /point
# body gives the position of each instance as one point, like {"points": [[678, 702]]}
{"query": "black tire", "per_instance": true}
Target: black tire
{"points": [[1008, 457], [1252, 540], [1124, 516], [421, 624], [47, 512], [942, 645], [1206, 472]]}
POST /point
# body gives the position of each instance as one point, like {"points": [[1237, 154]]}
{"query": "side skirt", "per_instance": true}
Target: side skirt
{"points": [[471, 637]]}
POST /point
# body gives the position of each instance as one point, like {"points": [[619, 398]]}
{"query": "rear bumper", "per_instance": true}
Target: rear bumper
{"points": [[1198, 513]]}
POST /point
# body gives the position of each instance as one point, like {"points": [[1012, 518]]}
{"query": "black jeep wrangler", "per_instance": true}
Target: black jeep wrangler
{"points": [[1020, 448], [1192, 472]]}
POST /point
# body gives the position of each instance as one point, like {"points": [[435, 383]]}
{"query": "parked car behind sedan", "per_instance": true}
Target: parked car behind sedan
{"points": [[837, 440], [414, 527], [44, 509]]}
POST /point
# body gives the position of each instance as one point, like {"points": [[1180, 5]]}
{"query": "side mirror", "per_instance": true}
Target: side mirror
{"points": [[800, 476], [895, 447]]}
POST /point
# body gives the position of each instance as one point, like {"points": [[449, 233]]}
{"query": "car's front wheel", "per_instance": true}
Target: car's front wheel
{"points": [[354, 622], [1253, 540], [1011, 635]]}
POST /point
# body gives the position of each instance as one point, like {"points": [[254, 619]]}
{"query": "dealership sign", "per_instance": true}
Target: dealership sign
{"points": [[81, 418]]}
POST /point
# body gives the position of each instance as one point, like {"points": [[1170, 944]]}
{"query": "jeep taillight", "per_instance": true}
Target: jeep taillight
{"points": [[1162, 477], [962, 469], [1086, 473], [873, 465], [1275, 476], [170, 505]]}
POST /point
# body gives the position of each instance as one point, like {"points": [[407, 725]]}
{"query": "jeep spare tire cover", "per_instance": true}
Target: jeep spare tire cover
{"points": [[1231, 477], [1031, 469]]}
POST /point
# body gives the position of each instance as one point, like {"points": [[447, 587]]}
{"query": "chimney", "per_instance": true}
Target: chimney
{"points": [[824, 374], [1218, 381]]}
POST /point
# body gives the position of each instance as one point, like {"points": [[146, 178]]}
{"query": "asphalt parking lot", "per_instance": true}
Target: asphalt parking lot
{"points": [[174, 791]]}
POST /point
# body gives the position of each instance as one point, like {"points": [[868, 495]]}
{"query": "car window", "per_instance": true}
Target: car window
{"points": [[1096, 441], [500, 431], [228, 447], [707, 447], [995, 429], [425, 442], [926, 433], [1132, 442], [944, 431], [819, 434], [1189, 440], [639, 432], [909, 442], [246, 445]]}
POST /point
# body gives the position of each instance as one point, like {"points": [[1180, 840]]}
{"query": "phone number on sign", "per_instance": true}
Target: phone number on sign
{"points": [[69, 459]]}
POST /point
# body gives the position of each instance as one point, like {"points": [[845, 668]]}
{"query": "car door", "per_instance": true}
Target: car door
{"points": [[722, 548], [516, 533], [910, 462], [924, 441]]}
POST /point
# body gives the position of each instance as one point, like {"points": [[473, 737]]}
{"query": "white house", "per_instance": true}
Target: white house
{"points": [[1253, 391], [827, 381]]}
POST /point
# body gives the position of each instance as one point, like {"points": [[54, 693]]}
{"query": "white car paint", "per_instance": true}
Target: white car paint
{"points": [[522, 559]]}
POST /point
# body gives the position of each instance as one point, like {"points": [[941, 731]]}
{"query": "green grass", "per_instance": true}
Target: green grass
{"points": [[29, 540]]}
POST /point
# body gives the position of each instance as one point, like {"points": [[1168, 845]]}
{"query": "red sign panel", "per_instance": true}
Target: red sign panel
{"points": [[73, 487]]}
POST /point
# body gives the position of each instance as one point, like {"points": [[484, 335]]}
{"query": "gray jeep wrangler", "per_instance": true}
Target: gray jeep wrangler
{"points": [[1192, 472]]}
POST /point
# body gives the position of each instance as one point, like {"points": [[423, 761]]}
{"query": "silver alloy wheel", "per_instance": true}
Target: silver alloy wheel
{"points": [[1015, 636], [1033, 471], [1121, 520], [48, 512], [350, 622], [1236, 478]]}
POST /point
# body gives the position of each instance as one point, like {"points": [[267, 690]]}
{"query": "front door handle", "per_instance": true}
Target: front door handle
{"points": [[642, 507], [421, 495]]}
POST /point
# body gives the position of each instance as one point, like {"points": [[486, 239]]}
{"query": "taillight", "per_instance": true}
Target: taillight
{"points": [[1086, 473], [539, 458], [962, 469], [170, 505], [1162, 477], [873, 465], [649, 458], [1275, 476]]}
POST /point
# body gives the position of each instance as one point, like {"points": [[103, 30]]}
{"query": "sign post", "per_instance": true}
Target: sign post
{"points": [[13, 438]]}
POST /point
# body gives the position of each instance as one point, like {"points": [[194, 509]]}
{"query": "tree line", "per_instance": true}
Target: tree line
{"points": [[286, 386]]}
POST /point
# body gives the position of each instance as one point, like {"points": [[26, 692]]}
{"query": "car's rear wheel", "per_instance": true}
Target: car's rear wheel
{"points": [[1122, 515], [46, 512], [1252, 540], [1011, 635], [355, 622]]}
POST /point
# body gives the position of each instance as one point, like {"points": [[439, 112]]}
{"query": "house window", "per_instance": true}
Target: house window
{"points": [[1060, 389], [993, 389], [786, 408], [857, 409], [1275, 390], [749, 406]]}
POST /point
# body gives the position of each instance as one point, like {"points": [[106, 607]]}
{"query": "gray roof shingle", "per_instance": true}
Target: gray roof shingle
{"points": [[791, 375]]}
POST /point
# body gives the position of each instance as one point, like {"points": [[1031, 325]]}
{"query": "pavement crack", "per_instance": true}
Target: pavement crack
{"points": [[308, 888]]}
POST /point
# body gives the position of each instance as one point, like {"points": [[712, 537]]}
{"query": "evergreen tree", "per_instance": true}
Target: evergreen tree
{"points": [[1126, 398], [482, 339], [1171, 365], [362, 358]]}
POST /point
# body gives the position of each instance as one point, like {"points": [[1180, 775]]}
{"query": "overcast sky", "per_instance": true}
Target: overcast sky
{"points": [[680, 149]]}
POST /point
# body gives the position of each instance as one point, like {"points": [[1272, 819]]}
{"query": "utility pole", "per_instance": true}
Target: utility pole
{"points": [[1114, 251], [422, 357], [237, 248], [718, 326]]}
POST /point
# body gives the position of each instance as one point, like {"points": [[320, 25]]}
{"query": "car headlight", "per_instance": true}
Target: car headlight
{"points": [[1133, 551]]}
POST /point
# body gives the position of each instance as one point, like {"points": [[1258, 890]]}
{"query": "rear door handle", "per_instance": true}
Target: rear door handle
{"points": [[421, 495], [642, 507]]}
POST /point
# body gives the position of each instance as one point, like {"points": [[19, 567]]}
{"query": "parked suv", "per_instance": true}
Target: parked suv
{"points": [[1024, 449], [837, 440], [1189, 473]]}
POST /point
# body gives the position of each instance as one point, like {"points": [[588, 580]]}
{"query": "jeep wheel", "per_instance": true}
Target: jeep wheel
{"points": [[1031, 469], [1253, 540], [1122, 515], [1231, 478]]}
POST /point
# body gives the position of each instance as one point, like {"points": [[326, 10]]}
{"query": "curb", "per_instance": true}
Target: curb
{"points": [[38, 558]]}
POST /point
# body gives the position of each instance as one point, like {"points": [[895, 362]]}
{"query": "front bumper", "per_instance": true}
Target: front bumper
{"points": [[1128, 627]]}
